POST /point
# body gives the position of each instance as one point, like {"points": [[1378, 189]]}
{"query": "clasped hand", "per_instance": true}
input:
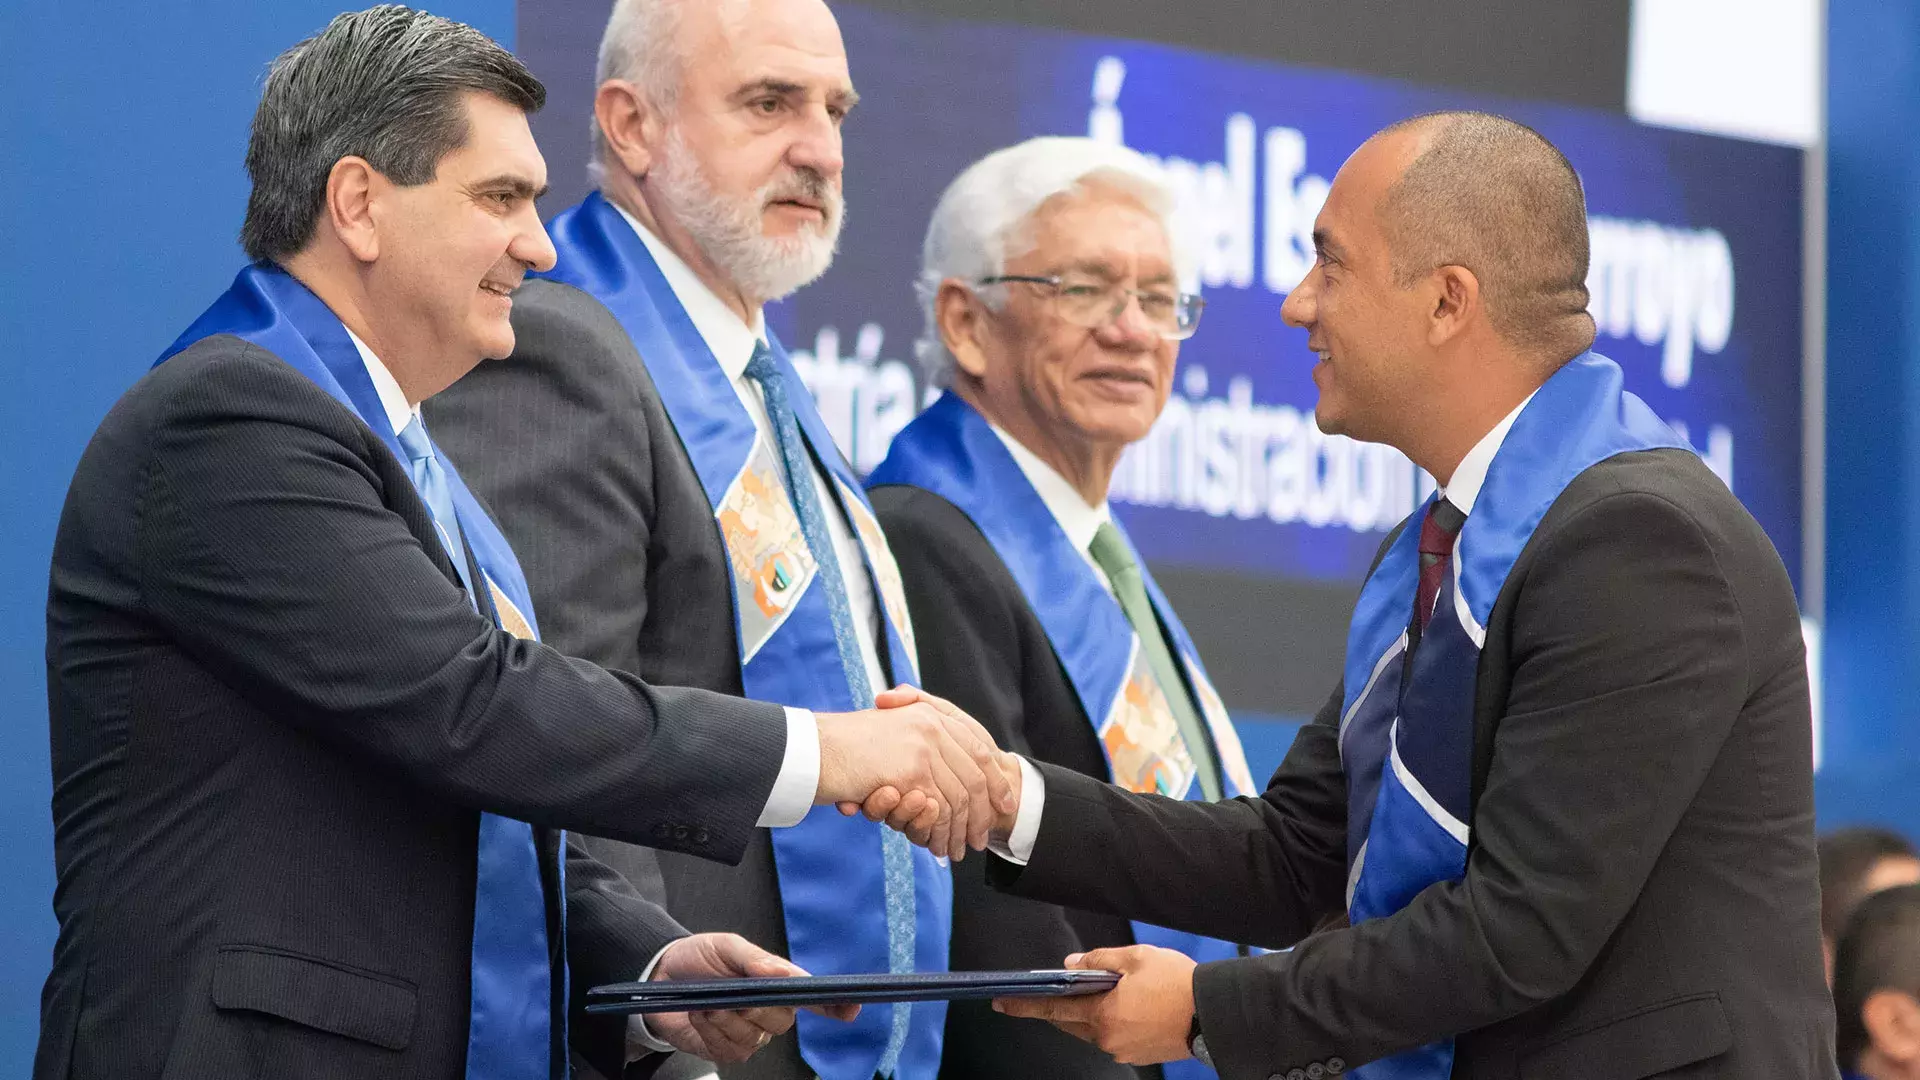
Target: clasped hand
{"points": [[1142, 1021], [923, 766]]}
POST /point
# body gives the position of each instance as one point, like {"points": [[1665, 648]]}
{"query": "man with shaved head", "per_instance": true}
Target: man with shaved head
{"points": [[679, 505], [1557, 821]]}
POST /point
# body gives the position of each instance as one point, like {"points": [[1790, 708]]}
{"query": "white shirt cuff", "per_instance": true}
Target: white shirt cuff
{"points": [[799, 779], [640, 1041], [1026, 824]]}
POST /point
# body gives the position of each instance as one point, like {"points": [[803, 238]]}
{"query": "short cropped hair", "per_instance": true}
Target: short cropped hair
{"points": [[1847, 856], [640, 45], [1879, 950], [384, 84], [1496, 197], [978, 221]]}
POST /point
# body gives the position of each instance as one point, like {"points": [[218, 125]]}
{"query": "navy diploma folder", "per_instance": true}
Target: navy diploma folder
{"points": [[694, 995]]}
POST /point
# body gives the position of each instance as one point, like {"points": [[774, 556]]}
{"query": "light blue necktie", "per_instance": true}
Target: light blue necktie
{"points": [[896, 853], [510, 1028]]}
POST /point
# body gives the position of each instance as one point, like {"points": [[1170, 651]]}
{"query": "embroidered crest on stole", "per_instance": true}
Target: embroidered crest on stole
{"points": [[1226, 740], [1142, 737], [511, 618], [771, 564], [885, 571]]}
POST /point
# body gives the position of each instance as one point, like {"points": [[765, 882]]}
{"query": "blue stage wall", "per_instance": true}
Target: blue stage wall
{"points": [[1873, 416], [124, 125], [124, 131]]}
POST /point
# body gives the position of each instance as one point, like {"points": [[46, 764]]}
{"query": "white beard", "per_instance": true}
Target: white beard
{"points": [[730, 233]]}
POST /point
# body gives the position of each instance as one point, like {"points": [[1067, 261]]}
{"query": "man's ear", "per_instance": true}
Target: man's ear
{"points": [[629, 125], [353, 188], [1455, 295], [1892, 1020], [962, 325]]}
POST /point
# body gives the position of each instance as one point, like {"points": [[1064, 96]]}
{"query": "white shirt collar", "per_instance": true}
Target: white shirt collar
{"points": [[730, 340], [1464, 489], [392, 398], [1078, 520]]}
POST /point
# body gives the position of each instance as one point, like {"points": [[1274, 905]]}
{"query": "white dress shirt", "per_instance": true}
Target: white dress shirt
{"points": [[1464, 489], [1461, 491]]}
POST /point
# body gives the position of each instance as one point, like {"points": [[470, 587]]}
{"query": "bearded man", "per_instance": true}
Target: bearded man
{"points": [[679, 507]]}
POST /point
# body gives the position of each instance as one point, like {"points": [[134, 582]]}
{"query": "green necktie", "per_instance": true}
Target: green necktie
{"points": [[1114, 557]]}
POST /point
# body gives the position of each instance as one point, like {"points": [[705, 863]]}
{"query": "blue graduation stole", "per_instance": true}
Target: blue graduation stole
{"points": [[950, 451], [832, 883], [510, 1032], [1406, 737]]}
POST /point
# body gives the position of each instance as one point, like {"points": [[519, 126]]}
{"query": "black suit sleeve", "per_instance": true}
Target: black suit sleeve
{"points": [[1629, 668], [966, 615], [612, 935], [269, 550], [1198, 866]]}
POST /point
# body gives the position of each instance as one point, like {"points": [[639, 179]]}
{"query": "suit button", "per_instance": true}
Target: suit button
{"points": [[1277, 1076], [700, 836], [1316, 1071], [1336, 1066], [680, 832]]}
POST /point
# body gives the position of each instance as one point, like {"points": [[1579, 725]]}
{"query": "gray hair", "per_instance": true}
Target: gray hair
{"points": [[979, 221], [384, 84], [640, 45]]}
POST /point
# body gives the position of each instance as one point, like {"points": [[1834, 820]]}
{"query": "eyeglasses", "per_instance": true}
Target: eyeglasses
{"points": [[1092, 303]]}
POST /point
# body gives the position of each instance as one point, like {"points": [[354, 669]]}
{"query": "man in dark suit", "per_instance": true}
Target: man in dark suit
{"points": [[677, 502], [1035, 615], [310, 766], [1564, 794]]}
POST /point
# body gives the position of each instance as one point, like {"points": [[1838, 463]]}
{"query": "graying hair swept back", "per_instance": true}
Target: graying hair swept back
{"points": [[384, 84], [638, 46]]}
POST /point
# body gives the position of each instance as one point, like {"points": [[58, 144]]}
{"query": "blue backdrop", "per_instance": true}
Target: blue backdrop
{"points": [[124, 126], [1873, 416]]}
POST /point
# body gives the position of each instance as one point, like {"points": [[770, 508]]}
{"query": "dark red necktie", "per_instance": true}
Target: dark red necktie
{"points": [[1437, 531]]}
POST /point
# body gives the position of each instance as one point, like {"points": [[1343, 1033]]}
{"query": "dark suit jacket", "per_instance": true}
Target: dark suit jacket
{"points": [[982, 647], [275, 718], [569, 443], [1640, 897]]}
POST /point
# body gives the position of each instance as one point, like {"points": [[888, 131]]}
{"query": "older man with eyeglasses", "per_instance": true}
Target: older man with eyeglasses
{"points": [[1054, 316]]}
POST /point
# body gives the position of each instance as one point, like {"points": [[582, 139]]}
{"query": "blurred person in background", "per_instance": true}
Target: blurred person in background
{"points": [[679, 505], [1876, 987], [1857, 862], [1055, 314]]}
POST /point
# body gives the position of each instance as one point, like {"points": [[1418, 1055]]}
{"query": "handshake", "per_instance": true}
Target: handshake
{"points": [[922, 766], [915, 762]]}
